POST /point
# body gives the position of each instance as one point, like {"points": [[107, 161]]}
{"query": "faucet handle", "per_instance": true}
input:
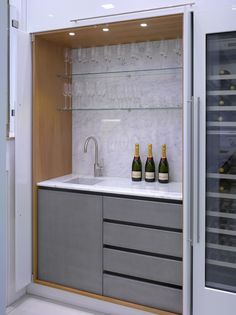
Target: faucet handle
{"points": [[98, 170]]}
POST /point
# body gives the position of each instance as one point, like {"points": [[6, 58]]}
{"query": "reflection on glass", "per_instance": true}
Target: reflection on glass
{"points": [[221, 162]]}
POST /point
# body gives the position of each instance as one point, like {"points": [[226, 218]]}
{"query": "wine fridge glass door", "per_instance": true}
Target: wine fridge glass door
{"points": [[214, 243]]}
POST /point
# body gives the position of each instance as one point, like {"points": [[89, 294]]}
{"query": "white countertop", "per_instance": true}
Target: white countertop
{"points": [[120, 186]]}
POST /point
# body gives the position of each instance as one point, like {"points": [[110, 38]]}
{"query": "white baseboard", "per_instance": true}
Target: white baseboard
{"points": [[81, 301]]}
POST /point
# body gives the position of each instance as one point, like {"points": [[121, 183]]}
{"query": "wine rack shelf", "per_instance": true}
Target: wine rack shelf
{"points": [[222, 215], [221, 247], [221, 263], [223, 176], [221, 124], [222, 132], [221, 195], [221, 108], [221, 77], [221, 231], [221, 92]]}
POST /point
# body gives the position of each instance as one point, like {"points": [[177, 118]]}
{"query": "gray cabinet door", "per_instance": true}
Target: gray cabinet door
{"points": [[70, 239]]}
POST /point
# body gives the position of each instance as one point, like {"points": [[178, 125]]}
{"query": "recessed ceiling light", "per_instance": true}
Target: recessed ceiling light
{"points": [[108, 6], [143, 24], [105, 29], [234, 7], [72, 34], [50, 15]]}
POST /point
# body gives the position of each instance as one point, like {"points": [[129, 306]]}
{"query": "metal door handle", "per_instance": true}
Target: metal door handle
{"points": [[196, 158]]}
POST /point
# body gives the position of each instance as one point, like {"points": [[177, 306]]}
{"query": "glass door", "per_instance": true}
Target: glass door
{"points": [[214, 167], [221, 161]]}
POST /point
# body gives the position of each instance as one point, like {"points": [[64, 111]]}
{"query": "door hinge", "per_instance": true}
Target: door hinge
{"points": [[32, 38]]}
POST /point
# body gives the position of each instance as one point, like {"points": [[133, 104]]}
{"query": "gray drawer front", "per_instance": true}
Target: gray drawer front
{"points": [[145, 212], [143, 266], [143, 239], [157, 296], [70, 239]]}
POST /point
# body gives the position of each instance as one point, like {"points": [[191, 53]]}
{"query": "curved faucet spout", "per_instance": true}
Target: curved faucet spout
{"points": [[97, 166]]}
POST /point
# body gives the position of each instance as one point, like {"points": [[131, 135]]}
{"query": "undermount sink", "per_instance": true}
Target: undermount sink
{"points": [[83, 181]]}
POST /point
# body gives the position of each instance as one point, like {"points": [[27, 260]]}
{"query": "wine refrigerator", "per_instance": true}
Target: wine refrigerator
{"points": [[214, 247]]}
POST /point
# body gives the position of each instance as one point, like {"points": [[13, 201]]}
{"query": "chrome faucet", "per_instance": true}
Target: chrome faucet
{"points": [[97, 166]]}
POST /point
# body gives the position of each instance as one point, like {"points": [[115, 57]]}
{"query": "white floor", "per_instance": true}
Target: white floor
{"points": [[31, 305]]}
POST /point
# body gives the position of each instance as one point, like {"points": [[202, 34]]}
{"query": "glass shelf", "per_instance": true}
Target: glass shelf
{"points": [[128, 73], [119, 109]]}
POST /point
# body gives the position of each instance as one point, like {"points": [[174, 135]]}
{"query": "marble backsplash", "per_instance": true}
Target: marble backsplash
{"points": [[118, 130]]}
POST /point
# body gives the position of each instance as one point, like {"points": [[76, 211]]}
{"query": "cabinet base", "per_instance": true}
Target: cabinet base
{"points": [[104, 298]]}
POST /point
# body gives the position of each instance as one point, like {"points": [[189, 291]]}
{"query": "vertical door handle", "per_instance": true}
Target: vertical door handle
{"points": [[196, 163]]}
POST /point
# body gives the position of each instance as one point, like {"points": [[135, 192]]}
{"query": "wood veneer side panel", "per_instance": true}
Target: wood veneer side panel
{"points": [[52, 129]]}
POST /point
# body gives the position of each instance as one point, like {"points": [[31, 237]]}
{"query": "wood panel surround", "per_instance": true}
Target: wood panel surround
{"points": [[52, 129], [162, 27]]}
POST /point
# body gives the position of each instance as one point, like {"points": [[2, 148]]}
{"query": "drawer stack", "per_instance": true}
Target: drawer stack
{"points": [[142, 252]]}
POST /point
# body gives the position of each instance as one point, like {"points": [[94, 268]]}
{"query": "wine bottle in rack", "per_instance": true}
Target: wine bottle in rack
{"points": [[224, 186], [150, 166], [223, 101], [136, 165], [163, 168], [225, 167], [224, 72]]}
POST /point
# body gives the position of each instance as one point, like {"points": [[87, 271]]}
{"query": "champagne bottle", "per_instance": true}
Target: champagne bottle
{"points": [[163, 168], [150, 166], [136, 165]]}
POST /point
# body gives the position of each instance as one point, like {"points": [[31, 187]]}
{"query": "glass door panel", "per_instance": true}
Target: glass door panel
{"points": [[220, 251]]}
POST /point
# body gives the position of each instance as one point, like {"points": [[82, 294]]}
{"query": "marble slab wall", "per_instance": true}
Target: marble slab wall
{"points": [[121, 109]]}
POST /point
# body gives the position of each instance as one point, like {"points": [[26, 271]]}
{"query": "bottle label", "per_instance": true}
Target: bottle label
{"points": [[136, 174], [149, 175], [163, 176]]}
